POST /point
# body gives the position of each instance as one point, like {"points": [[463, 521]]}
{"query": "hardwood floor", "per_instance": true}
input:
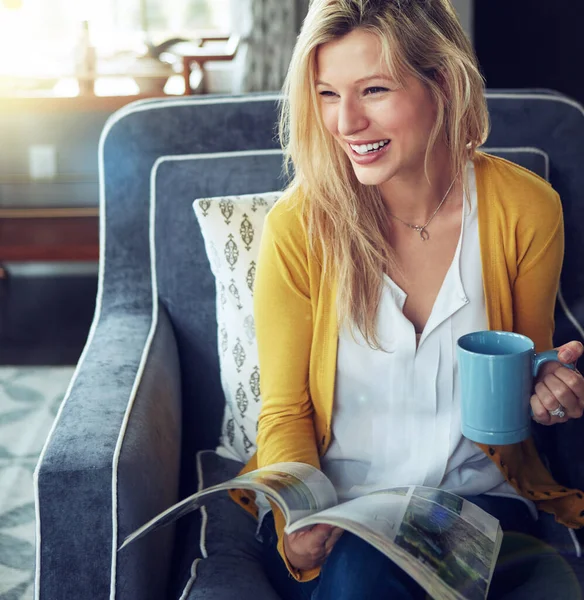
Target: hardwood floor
{"points": [[45, 320]]}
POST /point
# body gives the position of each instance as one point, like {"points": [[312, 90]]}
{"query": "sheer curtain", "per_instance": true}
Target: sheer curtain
{"points": [[268, 29], [39, 37]]}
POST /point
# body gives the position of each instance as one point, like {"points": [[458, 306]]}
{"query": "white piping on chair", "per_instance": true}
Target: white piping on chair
{"points": [[154, 287], [560, 294], [191, 581], [90, 337], [137, 381], [576, 543], [526, 149], [203, 535], [543, 97], [564, 306], [97, 315], [153, 174], [144, 105], [152, 239], [560, 297], [235, 154], [204, 515], [569, 313], [580, 108], [120, 441]]}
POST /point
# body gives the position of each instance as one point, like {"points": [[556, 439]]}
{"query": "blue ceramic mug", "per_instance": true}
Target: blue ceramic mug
{"points": [[496, 370]]}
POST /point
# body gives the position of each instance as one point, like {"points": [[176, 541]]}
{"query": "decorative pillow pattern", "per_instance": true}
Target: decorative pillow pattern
{"points": [[232, 227]]}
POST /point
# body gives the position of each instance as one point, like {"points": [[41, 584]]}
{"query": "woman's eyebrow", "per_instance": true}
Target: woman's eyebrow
{"points": [[362, 80]]}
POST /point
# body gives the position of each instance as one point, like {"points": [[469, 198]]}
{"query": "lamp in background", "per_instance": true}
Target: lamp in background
{"points": [[11, 4], [85, 61]]}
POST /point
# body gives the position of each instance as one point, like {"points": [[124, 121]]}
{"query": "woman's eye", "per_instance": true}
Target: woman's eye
{"points": [[327, 94], [375, 90]]}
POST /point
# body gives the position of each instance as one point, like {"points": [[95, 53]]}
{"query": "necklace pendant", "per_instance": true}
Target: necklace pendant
{"points": [[424, 234]]}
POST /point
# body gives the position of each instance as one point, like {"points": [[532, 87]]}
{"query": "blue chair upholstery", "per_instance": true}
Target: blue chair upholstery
{"points": [[146, 395]]}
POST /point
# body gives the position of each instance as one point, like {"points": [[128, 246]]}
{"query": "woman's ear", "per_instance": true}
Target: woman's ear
{"points": [[440, 89], [442, 81]]}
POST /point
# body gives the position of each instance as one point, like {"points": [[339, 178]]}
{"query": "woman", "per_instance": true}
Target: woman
{"points": [[395, 238]]}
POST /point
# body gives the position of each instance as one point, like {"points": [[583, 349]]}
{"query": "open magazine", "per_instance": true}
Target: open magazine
{"points": [[447, 544]]}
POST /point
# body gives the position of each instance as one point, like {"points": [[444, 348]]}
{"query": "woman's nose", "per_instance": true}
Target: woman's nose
{"points": [[351, 118]]}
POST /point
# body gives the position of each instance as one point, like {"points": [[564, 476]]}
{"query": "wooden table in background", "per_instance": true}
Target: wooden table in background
{"points": [[48, 234], [200, 55]]}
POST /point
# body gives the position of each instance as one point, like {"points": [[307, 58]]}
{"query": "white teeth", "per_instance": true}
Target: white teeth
{"points": [[365, 148]]}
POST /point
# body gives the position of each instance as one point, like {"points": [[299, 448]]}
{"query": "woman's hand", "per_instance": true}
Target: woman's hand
{"points": [[309, 548], [556, 386]]}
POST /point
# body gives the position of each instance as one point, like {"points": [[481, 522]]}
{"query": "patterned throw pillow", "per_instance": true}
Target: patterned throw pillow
{"points": [[232, 228]]}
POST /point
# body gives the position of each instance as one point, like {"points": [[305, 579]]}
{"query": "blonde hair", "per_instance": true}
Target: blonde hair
{"points": [[347, 221]]}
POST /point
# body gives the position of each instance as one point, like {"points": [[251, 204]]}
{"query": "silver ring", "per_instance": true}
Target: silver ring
{"points": [[558, 412]]}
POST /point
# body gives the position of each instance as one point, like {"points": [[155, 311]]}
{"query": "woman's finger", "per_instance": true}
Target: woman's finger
{"points": [[332, 540], [321, 533], [570, 352], [575, 382], [335, 535], [540, 412], [561, 395]]}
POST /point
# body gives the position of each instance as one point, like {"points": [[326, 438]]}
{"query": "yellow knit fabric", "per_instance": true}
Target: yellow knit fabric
{"points": [[522, 245]]}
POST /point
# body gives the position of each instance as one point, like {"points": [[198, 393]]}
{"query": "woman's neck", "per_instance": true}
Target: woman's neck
{"points": [[413, 197]]}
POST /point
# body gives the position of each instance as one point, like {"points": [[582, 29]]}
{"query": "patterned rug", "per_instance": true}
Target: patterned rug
{"points": [[29, 400]]}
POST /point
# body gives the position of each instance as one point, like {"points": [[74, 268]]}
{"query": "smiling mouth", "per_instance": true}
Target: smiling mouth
{"points": [[364, 149]]}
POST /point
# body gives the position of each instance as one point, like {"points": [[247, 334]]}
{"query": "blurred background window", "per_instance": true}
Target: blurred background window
{"points": [[40, 37]]}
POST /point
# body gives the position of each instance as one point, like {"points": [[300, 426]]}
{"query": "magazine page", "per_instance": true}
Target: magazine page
{"points": [[447, 545], [381, 512], [298, 489]]}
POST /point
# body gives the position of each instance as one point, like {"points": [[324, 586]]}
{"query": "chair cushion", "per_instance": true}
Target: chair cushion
{"points": [[230, 566], [232, 228]]}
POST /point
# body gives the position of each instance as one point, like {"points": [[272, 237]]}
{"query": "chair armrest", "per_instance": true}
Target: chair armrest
{"points": [[111, 462]]}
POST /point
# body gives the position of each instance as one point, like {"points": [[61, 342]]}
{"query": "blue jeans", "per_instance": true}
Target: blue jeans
{"points": [[357, 571]]}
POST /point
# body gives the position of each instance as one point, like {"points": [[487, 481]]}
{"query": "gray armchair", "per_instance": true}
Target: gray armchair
{"points": [[146, 396]]}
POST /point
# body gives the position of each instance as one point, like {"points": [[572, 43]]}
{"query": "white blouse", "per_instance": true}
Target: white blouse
{"points": [[396, 418]]}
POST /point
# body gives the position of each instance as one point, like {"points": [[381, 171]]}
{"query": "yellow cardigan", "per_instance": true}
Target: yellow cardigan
{"points": [[522, 245]]}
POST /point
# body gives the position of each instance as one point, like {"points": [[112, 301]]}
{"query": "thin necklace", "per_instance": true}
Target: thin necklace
{"points": [[422, 229]]}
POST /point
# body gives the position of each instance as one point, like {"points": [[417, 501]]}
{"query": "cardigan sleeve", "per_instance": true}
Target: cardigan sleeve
{"points": [[284, 327], [538, 277]]}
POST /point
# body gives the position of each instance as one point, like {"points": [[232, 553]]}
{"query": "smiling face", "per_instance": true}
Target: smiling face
{"points": [[383, 127]]}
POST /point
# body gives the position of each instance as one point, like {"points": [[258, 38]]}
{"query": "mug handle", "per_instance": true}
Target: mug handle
{"points": [[549, 356]]}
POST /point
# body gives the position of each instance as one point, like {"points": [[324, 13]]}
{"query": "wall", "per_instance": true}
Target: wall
{"points": [[301, 12], [465, 11], [73, 126], [72, 129], [531, 44]]}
